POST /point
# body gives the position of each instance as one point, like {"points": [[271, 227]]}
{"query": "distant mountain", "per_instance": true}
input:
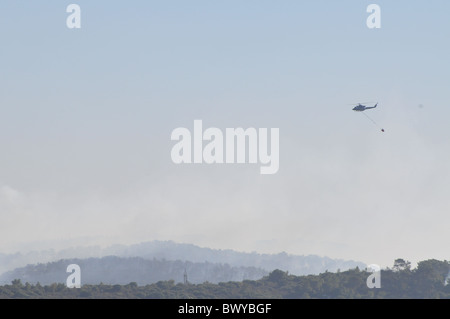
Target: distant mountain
{"points": [[294, 264], [118, 270], [168, 250]]}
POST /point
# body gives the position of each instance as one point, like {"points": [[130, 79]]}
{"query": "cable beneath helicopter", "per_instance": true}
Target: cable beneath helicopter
{"points": [[370, 119]]}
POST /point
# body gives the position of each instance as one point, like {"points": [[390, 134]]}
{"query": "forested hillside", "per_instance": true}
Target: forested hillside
{"points": [[117, 270], [428, 280], [171, 251]]}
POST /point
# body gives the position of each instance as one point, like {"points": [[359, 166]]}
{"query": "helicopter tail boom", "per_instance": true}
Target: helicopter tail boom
{"points": [[371, 107]]}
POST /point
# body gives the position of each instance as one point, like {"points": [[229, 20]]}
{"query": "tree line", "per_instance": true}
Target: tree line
{"points": [[428, 280]]}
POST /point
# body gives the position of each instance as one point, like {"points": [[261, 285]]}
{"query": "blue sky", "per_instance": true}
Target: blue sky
{"points": [[87, 116]]}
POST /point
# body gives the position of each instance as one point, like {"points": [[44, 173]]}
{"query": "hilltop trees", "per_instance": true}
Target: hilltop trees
{"points": [[428, 280]]}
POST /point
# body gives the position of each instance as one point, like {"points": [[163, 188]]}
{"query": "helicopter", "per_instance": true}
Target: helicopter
{"points": [[360, 107]]}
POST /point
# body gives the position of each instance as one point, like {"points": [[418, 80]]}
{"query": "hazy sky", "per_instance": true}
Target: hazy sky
{"points": [[86, 118]]}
